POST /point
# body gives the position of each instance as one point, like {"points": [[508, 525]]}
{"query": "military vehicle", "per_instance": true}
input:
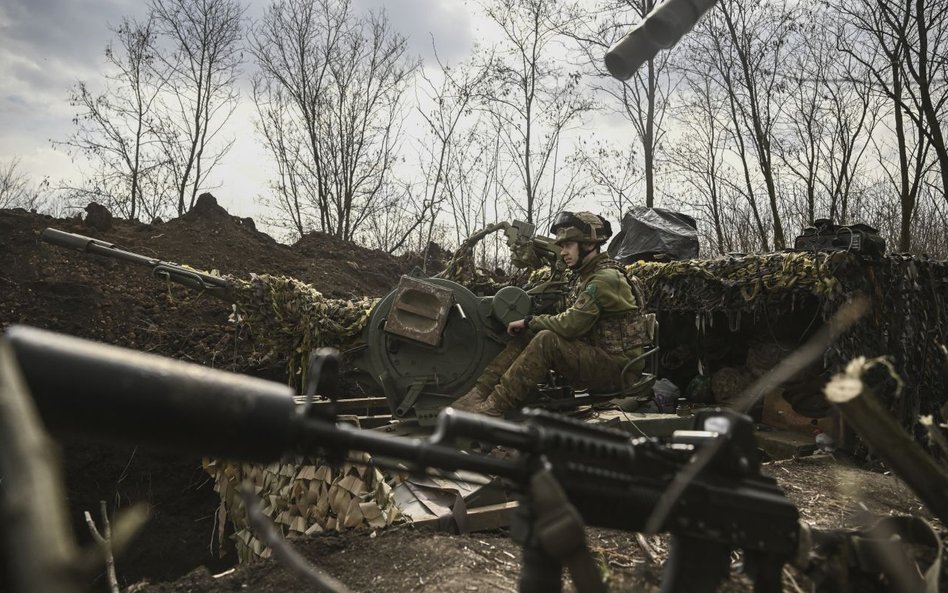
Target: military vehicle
{"points": [[426, 342]]}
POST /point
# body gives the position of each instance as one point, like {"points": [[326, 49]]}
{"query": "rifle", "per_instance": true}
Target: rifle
{"points": [[567, 473], [215, 285]]}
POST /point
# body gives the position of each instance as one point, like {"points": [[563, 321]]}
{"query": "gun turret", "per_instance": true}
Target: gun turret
{"points": [[214, 285]]}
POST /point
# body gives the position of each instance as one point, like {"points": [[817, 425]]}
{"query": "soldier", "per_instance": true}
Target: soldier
{"points": [[589, 344]]}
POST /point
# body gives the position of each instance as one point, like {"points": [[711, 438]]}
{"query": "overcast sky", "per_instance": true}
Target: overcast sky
{"points": [[47, 45]]}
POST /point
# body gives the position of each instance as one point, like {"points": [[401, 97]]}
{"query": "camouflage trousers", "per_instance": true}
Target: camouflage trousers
{"points": [[524, 363]]}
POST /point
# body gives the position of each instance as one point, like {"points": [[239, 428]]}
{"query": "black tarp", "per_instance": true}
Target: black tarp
{"points": [[650, 233]]}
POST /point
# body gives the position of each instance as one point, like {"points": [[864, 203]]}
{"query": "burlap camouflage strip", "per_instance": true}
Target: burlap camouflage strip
{"points": [[303, 496]]}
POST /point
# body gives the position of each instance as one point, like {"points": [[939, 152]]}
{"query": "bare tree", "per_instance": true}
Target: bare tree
{"points": [[116, 130], [203, 63], [904, 162], [445, 101], [829, 114], [902, 49], [698, 158], [613, 170], [537, 100], [293, 190], [473, 182], [17, 190], [745, 46], [339, 80], [930, 228], [643, 100]]}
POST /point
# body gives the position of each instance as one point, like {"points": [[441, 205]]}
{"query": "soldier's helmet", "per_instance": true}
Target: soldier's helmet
{"points": [[584, 227]]}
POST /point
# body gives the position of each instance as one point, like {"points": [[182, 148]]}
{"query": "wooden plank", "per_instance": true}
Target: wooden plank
{"points": [[492, 516], [343, 405], [785, 444]]}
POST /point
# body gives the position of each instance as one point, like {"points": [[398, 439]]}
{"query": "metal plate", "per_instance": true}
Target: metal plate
{"points": [[419, 311]]}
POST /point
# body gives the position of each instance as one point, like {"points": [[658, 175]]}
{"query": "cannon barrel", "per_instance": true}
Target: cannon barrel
{"points": [[215, 285]]}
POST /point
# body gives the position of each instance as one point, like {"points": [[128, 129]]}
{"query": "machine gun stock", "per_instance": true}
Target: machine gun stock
{"points": [[567, 473], [215, 285]]}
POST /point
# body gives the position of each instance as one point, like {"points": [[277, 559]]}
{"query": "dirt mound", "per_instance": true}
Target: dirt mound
{"points": [[118, 303], [326, 260]]}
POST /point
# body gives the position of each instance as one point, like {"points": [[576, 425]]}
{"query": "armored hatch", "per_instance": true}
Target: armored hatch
{"points": [[427, 342]]}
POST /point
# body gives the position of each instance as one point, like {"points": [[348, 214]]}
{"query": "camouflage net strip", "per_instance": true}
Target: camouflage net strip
{"points": [[908, 320], [302, 497], [292, 318], [463, 269], [741, 282]]}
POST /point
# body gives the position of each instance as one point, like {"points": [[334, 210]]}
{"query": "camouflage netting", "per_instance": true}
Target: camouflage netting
{"points": [[907, 321], [746, 283], [463, 270], [301, 497], [292, 318]]}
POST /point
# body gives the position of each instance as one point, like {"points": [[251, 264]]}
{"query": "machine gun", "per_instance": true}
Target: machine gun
{"points": [[567, 473]]}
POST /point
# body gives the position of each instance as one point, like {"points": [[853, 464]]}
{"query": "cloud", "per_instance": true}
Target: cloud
{"points": [[45, 46], [63, 37], [446, 22]]}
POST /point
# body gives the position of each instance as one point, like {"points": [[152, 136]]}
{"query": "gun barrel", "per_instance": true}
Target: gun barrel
{"points": [[83, 387], [97, 390], [94, 246], [219, 287], [662, 28]]}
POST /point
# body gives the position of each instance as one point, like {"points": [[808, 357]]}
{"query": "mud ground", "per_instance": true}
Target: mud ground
{"points": [[117, 303]]}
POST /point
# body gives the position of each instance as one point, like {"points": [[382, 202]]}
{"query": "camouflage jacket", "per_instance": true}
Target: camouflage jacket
{"points": [[603, 311]]}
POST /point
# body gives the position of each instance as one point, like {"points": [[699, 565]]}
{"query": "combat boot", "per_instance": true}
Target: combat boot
{"points": [[488, 407], [478, 402], [472, 398]]}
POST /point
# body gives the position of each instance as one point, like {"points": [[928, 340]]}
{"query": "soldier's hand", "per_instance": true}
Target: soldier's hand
{"points": [[516, 327]]}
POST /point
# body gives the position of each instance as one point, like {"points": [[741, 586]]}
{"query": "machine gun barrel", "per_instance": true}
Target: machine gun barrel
{"points": [[217, 286], [111, 393]]}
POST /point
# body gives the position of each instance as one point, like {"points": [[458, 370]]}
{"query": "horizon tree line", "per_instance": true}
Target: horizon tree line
{"points": [[768, 115]]}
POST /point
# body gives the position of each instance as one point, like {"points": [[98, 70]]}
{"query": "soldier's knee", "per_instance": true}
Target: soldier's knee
{"points": [[545, 337], [543, 344]]}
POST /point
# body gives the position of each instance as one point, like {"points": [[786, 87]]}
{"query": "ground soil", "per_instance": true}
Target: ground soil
{"points": [[117, 303]]}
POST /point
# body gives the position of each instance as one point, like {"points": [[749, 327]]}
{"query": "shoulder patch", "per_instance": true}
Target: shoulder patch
{"points": [[585, 301], [588, 299]]}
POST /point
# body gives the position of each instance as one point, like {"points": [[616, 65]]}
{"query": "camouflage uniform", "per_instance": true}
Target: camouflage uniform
{"points": [[589, 344]]}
